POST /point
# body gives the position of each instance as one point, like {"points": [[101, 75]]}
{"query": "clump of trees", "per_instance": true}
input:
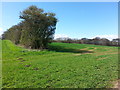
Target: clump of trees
{"points": [[95, 41], [35, 30]]}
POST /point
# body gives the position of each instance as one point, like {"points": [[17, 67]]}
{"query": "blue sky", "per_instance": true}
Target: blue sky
{"points": [[76, 20]]}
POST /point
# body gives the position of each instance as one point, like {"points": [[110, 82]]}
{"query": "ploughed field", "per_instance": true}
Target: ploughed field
{"points": [[63, 65]]}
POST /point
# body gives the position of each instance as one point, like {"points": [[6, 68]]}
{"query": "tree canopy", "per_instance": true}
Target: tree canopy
{"points": [[36, 29]]}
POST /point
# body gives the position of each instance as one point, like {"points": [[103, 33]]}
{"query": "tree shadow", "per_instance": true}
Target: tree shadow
{"points": [[70, 50]]}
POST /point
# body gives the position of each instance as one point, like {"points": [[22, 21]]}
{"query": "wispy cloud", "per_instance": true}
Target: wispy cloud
{"points": [[61, 36], [110, 37], [1, 31]]}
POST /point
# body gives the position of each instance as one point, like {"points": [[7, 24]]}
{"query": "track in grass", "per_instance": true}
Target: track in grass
{"points": [[63, 65]]}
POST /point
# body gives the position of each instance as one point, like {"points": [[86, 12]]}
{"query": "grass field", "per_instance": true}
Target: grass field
{"points": [[64, 65]]}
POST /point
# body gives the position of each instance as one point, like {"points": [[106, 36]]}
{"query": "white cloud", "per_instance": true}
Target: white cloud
{"points": [[110, 37], [60, 36], [1, 31]]}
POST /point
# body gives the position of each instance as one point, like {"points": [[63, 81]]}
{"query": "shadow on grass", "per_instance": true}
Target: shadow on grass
{"points": [[63, 49]]}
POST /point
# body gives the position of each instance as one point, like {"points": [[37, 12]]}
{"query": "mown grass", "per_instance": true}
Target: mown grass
{"points": [[63, 65]]}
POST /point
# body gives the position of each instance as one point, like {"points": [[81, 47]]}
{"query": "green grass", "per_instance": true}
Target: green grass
{"points": [[63, 65], [0, 64]]}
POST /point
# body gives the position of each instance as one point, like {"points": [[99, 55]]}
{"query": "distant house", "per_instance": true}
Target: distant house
{"points": [[115, 42]]}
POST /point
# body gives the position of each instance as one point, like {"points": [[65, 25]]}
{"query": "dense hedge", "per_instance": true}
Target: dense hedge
{"points": [[96, 41]]}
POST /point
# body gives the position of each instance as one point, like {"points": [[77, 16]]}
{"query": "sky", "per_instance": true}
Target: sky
{"points": [[76, 19]]}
